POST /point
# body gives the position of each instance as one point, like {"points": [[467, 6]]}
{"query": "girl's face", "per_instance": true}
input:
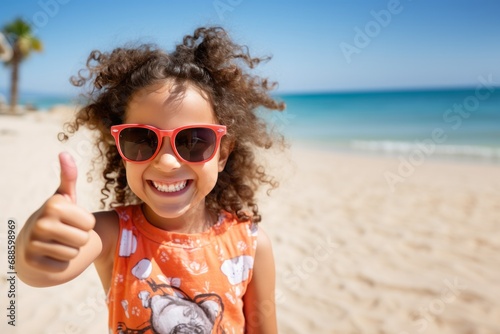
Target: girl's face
{"points": [[173, 191]]}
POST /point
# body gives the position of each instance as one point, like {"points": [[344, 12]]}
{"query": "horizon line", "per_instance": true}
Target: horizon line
{"points": [[4, 91]]}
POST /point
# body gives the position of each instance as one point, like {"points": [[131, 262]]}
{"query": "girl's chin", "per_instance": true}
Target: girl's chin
{"points": [[164, 211]]}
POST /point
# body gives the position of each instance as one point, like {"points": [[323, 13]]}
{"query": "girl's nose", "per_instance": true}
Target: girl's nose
{"points": [[166, 158]]}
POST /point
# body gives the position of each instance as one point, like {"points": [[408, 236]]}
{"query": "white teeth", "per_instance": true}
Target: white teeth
{"points": [[170, 188]]}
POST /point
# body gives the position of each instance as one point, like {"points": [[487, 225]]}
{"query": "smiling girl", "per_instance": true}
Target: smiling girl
{"points": [[181, 251]]}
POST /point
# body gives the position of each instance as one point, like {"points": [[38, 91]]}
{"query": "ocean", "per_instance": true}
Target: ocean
{"points": [[449, 124], [44, 101], [445, 124]]}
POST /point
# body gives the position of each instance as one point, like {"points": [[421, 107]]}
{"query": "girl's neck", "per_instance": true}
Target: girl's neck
{"points": [[192, 222]]}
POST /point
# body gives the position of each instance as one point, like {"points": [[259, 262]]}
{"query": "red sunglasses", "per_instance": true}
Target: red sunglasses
{"points": [[193, 143]]}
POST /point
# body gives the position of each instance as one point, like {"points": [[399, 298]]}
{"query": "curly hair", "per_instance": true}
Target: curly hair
{"points": [[210, 60]]}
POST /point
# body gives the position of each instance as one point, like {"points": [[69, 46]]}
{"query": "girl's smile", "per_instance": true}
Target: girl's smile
{"points": [[171, 188]]}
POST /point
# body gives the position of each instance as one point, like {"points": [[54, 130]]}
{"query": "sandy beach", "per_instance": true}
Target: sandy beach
{"points": [[355, 253]]}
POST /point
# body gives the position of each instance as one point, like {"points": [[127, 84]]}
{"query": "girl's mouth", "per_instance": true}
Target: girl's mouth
{"points": [[172, 187]]}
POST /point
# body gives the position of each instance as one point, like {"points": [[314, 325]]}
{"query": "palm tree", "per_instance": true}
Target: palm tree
{"points": [[5, 49], [23, 44]]}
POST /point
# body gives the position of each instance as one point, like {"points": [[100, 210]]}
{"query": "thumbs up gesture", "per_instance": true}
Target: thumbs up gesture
{"points": [[69, 174], [54, 235]]}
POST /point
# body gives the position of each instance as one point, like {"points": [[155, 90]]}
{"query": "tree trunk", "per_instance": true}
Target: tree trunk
{"points": [[14, 83]]}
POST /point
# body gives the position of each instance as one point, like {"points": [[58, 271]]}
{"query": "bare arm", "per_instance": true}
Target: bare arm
{"points": [[58, 242], [259, 299]]}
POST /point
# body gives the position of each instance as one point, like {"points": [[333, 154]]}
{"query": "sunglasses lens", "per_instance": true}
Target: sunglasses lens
{"points": [[195, 144], [138, 144]]}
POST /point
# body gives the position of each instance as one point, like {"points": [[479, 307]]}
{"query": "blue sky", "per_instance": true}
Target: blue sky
{"points": [[335, 45]]}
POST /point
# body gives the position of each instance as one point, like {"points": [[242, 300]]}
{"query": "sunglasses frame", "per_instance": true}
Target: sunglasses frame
{"points": [[219, 130]]}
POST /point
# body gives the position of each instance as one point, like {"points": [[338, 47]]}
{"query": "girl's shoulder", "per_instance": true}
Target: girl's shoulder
{"points": [[107, 226], [106, 220]]}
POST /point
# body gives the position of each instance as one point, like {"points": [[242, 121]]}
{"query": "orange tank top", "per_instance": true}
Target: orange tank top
{"points": [[167, 282]]}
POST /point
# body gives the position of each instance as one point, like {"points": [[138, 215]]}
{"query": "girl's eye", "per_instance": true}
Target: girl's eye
{"points": [[143, 141], [192, 143], [195, 144], [138, 144], [195, 141]]}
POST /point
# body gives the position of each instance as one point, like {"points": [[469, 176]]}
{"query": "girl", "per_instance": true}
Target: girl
{"points": [[181, 252]]}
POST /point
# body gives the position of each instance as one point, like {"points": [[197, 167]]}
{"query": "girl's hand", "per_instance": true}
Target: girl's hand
{"points": [[55, 233]]}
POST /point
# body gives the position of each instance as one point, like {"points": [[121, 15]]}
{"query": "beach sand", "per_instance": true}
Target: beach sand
{"points": [[354, 252]]}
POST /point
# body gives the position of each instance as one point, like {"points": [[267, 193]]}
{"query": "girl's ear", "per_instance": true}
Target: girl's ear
{"points": [[226, 148]]}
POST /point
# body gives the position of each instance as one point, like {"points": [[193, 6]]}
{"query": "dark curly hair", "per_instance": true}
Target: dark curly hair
{"points": [[210, 60]]}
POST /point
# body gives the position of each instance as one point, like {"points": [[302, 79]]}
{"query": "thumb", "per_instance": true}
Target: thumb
{"points": [[69, 174]]}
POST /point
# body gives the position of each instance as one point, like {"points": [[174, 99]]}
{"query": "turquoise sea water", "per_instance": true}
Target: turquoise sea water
{"points": [[462, 123], [45, 101], [41, 101]]}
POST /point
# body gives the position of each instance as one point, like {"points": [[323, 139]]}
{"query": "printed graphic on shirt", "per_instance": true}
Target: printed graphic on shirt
{"points": [[142, 269], [128, 243], [177, 313], [237, 269]]}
